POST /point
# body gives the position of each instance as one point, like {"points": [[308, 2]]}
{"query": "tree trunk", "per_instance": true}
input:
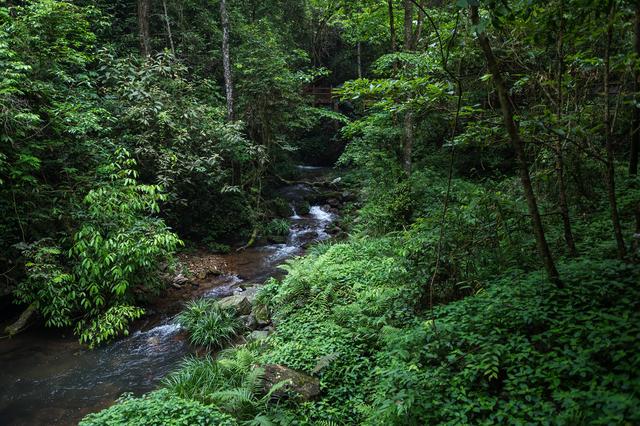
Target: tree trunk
{"points": [[418, 32], [144, 7], [226, 60], [407, 146], [359, 54], [608, 139], [518, 147], [635, 135], [562, 191], [22, 321], [392, 26], [408, 25], [166, 20]]}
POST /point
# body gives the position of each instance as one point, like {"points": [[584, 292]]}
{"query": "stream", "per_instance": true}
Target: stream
{"points": [[49, 379]]}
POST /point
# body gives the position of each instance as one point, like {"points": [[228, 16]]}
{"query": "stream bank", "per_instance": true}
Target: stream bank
{"points": [[55, 381]]}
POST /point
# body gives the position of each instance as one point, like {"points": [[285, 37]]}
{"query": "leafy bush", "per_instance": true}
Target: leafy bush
{"points": [[107, 325], [209, 324], [159, 408], [116, 252], [520, 352], [176, 128]]}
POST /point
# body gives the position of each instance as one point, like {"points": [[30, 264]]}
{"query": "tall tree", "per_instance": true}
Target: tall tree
{"points": [[518, 147], [562, 187], [392, 26], [359, 58], [608, 137], [635, 129], [407, 146], [226, 59], [144, 10], [168, 24]]}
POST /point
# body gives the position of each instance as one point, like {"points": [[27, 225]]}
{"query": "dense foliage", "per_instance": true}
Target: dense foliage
{"points": [[104, 148], [159, 408], [490, 272]]}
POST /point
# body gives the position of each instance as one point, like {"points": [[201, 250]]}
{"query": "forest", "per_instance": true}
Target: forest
{"points": [[319, 212]]}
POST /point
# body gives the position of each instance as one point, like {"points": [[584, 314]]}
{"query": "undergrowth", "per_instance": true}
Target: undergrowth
{"points": [[209, 325], [485, 340]]}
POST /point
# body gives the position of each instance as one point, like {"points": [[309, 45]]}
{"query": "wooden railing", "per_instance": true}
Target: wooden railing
{"points": [[321, 95]]}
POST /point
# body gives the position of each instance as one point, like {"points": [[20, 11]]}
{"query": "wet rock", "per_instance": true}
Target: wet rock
{"points": [[333, 202], [262, 315], [257, 335], [249, 292], [306, 387], [210, 274], [240, 303], [249, 322], [349, 196], [334, 230], [302, 207], [277, 239]]}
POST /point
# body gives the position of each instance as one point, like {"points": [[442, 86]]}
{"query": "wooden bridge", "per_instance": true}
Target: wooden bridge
{"points": [[321, 95]]}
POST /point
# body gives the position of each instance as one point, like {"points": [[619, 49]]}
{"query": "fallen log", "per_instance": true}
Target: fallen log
{"points": [[22, 321]]}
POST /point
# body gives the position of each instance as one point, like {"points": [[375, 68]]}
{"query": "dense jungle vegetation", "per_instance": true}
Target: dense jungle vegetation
{"points": [[489, 269]]}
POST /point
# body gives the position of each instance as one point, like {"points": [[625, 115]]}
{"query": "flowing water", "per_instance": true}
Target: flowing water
{"points": [[49, 379]]}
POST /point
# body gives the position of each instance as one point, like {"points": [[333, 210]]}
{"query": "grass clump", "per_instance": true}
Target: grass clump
{"points": [[232, 383], [277, 227], [209, 325]]}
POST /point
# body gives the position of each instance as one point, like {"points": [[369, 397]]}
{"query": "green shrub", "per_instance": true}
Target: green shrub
{"points": [[117, 249], [209, 325], [159, 408], [521, 352]]}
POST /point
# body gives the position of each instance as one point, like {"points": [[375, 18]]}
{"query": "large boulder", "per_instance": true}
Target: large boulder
{"points": [[261, 314], [249, 322], [249, 292], [304, 386], [240, 303]]}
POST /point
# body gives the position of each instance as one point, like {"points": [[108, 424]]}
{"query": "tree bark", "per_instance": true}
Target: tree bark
{"points": [[166, 20], [608, 139], [635, 135], [418, 32], [408, 25], [635, 130], [518, 147], [407, 146], [392, 27], [226, 60], [22, 321], [144, 7], [562, 191], [359, 54]]}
